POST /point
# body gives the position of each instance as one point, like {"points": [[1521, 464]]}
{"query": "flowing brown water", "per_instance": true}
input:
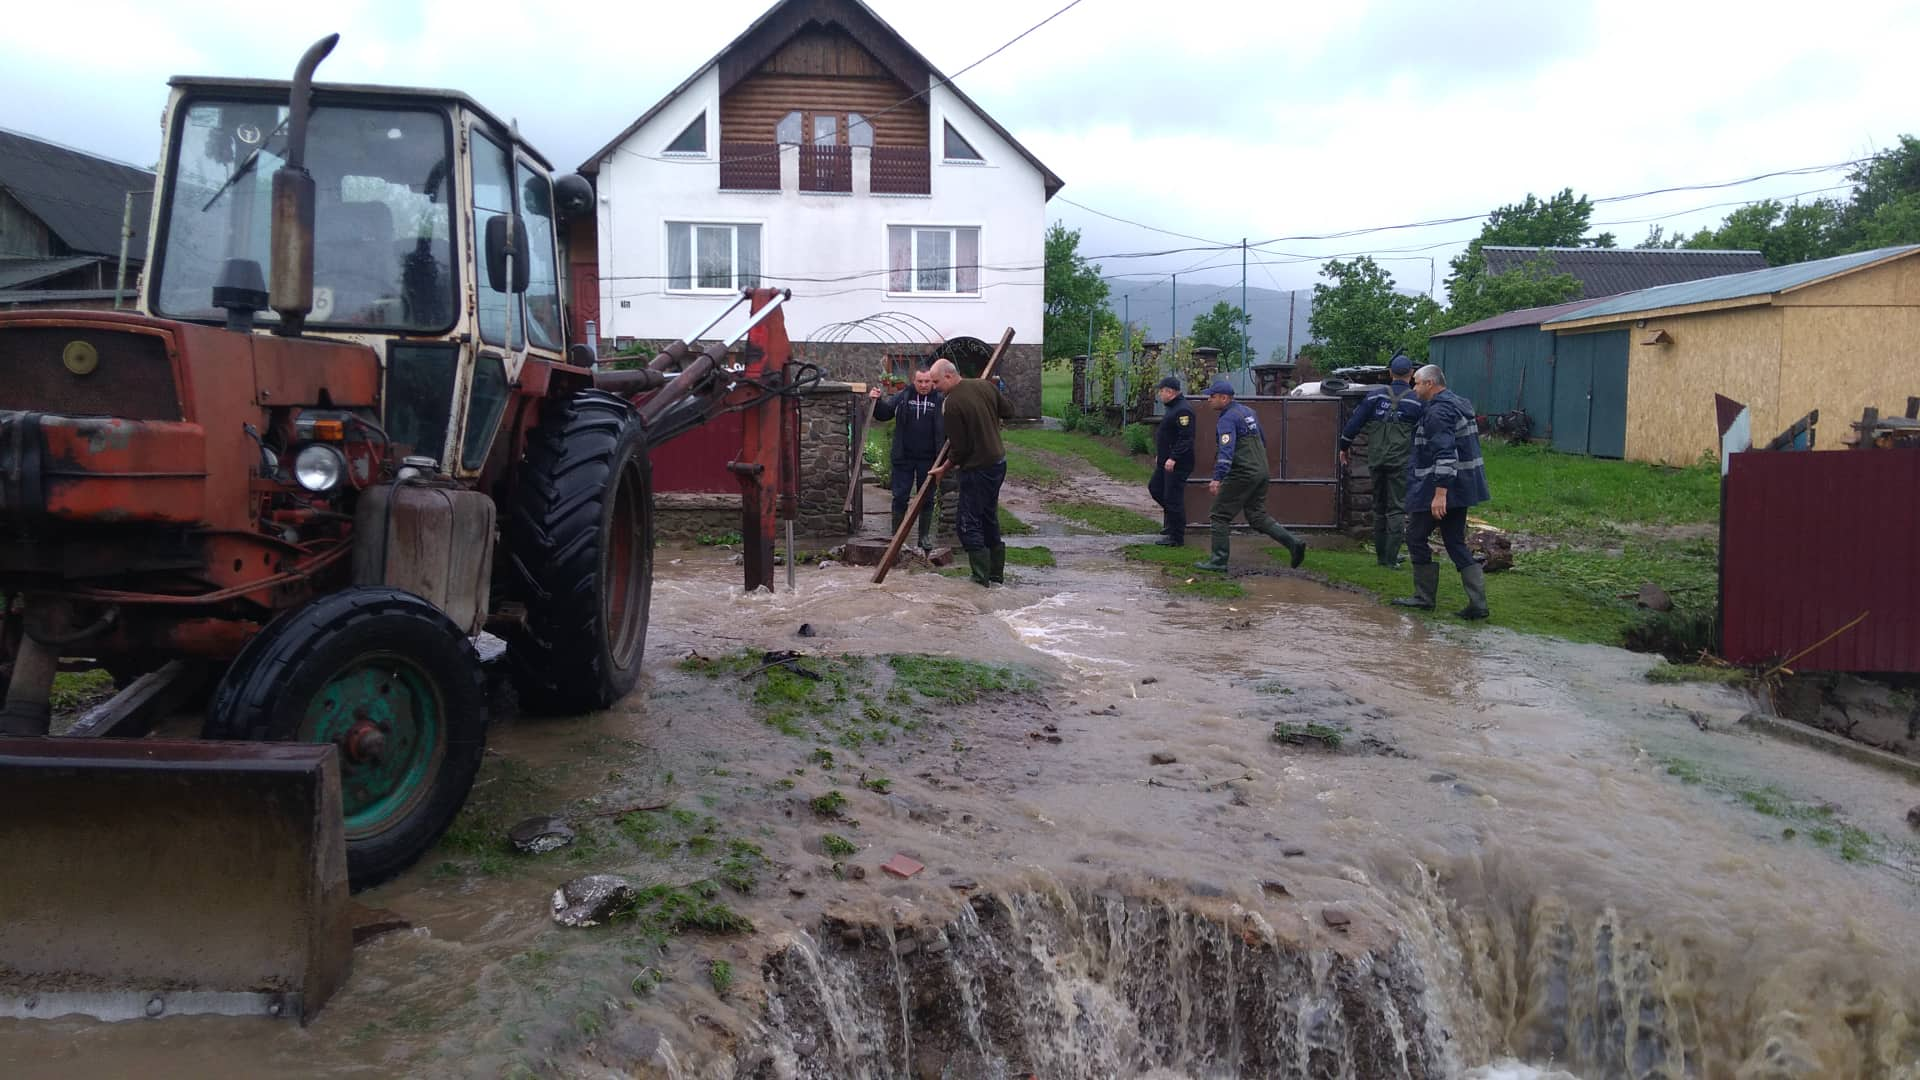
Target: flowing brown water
{"points": [[1522, 871]]}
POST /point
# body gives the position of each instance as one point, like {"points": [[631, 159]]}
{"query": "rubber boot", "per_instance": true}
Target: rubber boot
{"points": [[997, 565], [980, 563], [1426, 585], [898, 517], [1396, 539], [926, 533], [1222, 549], [1296, 547], [1380, 543], [1474, 580]]}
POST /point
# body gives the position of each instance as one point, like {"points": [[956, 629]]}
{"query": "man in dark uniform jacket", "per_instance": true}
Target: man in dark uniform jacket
{"points": [[1448, 477], [1387, 417], [918, 434], [1172, 463]]}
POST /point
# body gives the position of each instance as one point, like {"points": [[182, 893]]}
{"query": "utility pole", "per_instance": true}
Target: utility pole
{"points": [[1173, 313], [1292, 294], [126, 234], [1244, 319]]}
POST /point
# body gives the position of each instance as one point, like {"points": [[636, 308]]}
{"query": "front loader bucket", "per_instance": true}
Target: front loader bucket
{"points": [[149, 877]]}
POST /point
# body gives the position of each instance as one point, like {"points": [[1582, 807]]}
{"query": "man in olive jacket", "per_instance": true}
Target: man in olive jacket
{"points": [[972, 412], [1239, 485], [1448, 477]]}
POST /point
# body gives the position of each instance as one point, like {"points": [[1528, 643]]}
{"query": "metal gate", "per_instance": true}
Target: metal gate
{"points": [[1590, 394], [1303, 459]]}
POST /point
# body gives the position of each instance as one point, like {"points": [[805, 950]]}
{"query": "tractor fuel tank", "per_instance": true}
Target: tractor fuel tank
{"points": [[434, 542]]}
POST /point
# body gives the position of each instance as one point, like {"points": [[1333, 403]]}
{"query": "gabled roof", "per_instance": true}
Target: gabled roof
{"points": [[1532, 316], [80, 197], [1611, 271], [786, 18], [1757, 286]]}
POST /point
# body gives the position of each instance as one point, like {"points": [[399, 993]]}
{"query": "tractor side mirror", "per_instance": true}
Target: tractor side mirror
{"points": [[498, 245]]}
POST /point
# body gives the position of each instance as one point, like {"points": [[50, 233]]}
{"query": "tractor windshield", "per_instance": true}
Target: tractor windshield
{"points": [[382, 215]]}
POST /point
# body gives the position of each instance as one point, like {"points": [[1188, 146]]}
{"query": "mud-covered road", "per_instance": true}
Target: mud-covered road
{"points": [[1535, 853]]}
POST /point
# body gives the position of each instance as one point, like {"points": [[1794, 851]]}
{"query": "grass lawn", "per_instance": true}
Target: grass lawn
{"points": [[1178, 574], [1108, 519], [1030, 556], [1056, 389], [1586, 510], [1107, 458], [1012, 526], [1029, 468]]}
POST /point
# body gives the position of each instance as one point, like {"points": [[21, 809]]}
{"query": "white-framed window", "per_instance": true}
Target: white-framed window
{"points": [[712, 256], [933, 259], [692, 140], [957, 148]]}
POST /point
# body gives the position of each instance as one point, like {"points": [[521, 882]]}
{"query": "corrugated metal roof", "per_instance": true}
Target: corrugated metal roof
{"points": [[80, 197], [19, 273], [1736, 286], [1610, 271], [58, 296], [1532, 316], [1813, 539]]}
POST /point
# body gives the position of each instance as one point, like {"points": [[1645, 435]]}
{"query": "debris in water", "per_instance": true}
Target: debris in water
{"points": [[901, 866], [371, 922], [539, 835], [591, 900], [1699, 719], [806, 629], [1293, 853], [1442, 778], [1111, 710], [1913, 817], [1274, 888], [1038, 737], [1162, 757], [965, 884], [1149, 680]]}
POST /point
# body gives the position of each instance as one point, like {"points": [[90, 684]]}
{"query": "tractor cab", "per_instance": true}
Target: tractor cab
{"points": [[435, 242]]}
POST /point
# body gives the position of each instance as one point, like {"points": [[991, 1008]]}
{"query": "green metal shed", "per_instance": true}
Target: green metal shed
{"points": [[1573, 386]]}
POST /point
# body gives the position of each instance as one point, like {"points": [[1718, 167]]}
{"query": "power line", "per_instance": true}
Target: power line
{"points": [[946, 80]]}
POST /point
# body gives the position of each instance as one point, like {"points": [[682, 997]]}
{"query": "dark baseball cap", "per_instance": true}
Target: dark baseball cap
{"points": [[1169, 383]]}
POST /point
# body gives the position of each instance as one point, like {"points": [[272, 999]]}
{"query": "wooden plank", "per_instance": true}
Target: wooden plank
{"points": [[752, 111], [148, 699], [919, 502]]}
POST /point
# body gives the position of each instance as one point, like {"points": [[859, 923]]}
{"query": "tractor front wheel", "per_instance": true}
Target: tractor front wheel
{"points": [[388, 679], [580, 535]]}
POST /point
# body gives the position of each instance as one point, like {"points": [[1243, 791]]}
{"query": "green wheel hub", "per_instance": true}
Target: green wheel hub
{"points": [[387, 717]]}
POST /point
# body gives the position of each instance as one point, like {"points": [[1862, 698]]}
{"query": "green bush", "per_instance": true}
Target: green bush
{"points": [[1139, 438], [1071, 418]]}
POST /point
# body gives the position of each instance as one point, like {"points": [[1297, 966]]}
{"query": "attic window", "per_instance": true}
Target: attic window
{"points": [[958, 148], [693, 140]]}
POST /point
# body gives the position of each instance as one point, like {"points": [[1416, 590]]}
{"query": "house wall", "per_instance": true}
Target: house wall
{"points": [[1670, 388], [21, 233], [808, 237]]}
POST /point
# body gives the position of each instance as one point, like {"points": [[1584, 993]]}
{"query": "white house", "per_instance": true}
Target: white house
{"points": [[819, 151]]}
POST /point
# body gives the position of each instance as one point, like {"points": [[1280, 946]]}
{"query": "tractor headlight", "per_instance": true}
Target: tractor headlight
{"points": [[319, 468]]}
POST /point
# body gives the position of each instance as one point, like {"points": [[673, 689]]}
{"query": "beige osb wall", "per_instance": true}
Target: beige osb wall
{"points": [[1670, 388], [1841, 360], [1895, 283]]}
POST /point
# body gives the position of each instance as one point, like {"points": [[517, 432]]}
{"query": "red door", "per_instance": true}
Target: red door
{"points": [[586, 302]]}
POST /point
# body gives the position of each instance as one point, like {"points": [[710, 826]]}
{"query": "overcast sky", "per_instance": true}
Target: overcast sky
{"points": [[1217, 118]]}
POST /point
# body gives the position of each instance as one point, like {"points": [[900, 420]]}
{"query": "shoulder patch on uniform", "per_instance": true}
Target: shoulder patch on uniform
{"points": [[1225, 439], [1184, 418]]}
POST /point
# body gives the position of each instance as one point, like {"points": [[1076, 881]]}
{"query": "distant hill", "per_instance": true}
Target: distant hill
{"points": [[1148, 305]]}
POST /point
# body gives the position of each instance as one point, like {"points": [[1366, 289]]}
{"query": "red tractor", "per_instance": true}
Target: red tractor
{"points": [[344, 434]]}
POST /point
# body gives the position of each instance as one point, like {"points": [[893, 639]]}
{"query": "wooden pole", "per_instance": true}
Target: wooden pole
{"points": [[920, 498]]}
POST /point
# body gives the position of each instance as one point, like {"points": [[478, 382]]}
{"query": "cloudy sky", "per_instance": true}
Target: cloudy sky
{"points": [[1214, 118]]}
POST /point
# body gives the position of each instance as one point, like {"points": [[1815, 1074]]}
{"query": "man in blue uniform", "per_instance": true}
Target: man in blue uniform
{"points": [[1172, 463], [1387, 415], [1448, 477], [1239, 483], [918, 434]]}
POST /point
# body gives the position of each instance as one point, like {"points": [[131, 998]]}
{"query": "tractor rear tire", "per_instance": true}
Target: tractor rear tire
{"points": [[388, 679], [580, 543]]}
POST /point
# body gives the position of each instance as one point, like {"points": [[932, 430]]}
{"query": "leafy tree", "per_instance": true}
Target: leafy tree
{"points": [[1223, 328], [1359, 317], [1560, 221], [1784, 233], [1882, 210], [1425, 318], [1534, 284], [1657, 239], [1075, 293]]}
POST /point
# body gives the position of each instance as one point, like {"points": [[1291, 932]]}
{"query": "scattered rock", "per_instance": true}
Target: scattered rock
{"points": [[940, 556], [798, 893], [1274, 888], [1162, 757], [1293, 853], [590, 900], [1049, 728], [1913, 817], [806, 1047], [1441, 778], [936, 946], [806, 629], [901, 866], [1038, 737], [539, 835], [1111, 710], [965, 884], [1492, 550], [1654, 598], [1468, 790], [1149, 680], [1335, 918], [371, 922], [852, 938], [856, 872], [1700, 720]]}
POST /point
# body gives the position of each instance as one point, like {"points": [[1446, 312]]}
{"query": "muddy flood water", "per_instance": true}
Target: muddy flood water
{"points": [[1520, 860]]}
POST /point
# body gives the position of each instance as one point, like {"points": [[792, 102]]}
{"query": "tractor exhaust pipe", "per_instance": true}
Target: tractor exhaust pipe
{"points": [[293, 188]]}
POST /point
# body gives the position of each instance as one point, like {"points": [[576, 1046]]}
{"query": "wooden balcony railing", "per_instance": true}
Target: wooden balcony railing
{"points": [[826, 168], [901, 171], [749, 166]]}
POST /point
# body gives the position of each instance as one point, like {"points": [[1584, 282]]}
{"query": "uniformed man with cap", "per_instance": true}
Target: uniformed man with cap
{"points": [[1172, 463], [1448, 476], [1239, 483], [1387, 415]]}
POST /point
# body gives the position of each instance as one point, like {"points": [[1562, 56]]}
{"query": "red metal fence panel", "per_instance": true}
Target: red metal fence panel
{"points": [[1303, 463], [697, 461], [901, 170], [749, 166], [1812, 540]]}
